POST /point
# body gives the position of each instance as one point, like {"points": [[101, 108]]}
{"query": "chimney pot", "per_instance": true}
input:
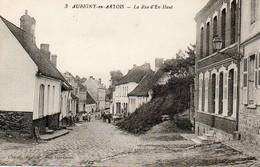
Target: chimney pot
{"points": [[45, 47], [27, 23], [45, 50], [54, 60]]}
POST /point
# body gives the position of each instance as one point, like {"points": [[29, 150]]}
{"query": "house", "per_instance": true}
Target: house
{"points": [[31, 85], [142, 94], [73, 96], [97, 90], [126, 85], [216, 103], [249, 114], [72, 81], [91, 105]]}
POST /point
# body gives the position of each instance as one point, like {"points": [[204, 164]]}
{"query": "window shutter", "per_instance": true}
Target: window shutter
{"points": [[225, 95], [217, 94], [206, 91], [245, 82]]}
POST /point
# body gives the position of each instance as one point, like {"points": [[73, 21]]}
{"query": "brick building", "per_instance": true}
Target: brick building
{"points": [[249, 115], [216, 92]]}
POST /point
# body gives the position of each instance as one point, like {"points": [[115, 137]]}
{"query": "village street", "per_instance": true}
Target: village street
{"points": [[104, 145]]}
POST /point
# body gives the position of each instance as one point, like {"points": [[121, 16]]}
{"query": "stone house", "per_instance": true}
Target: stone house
{"points": [[216, 92], [97, 90], [73, 96], [127, 84], [249, 115], [91, 105], [31, 85], [143, 93]]}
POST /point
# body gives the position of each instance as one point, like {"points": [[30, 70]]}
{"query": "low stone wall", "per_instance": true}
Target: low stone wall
{"points": [[219, 135], [249, 127], [226, 125], [17, 122], [50, 121]]}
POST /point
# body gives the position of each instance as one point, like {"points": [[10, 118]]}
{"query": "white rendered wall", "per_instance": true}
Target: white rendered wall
{"points": [[17, 73], [53, 106]]}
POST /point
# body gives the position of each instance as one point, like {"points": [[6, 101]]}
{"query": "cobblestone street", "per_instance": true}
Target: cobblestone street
{"points": [[104, 145], [87, 142]]}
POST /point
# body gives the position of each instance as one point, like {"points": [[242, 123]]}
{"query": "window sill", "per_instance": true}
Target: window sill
{"points": [[251, 106], [220, 116]]}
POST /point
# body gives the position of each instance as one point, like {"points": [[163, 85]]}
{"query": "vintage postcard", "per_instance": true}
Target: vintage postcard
{"points": [[130, 83]]}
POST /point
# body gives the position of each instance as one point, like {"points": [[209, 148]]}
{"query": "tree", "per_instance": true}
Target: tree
{"points": [[183, 64], [115, 76]]}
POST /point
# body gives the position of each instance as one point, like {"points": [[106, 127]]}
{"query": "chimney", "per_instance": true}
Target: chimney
{"points": [[147, 66], [27, 23], [99, 80], [54, 60], [45, 50], [158, 63]]}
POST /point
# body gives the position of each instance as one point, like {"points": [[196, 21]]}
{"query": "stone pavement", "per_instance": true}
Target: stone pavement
{"points": [[102, 144], [88, 142]]}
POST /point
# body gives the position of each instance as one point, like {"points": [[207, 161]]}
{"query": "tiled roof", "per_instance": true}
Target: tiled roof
{"points": [[146, 84], [90, 100], [135, 75], [44, 65]]}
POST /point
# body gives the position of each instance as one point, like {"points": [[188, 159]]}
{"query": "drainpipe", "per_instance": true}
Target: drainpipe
{"points": [[239, 61]]}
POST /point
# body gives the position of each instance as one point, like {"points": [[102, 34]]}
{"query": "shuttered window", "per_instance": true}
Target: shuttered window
{"points": [[245, 73], [256, 70], [258, 60]]}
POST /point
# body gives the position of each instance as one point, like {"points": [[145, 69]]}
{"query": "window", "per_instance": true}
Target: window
{"points": [[233, 21], [245, 73], [41, 101], [203, 93], [253, 11], [215, 27], [231, 76], [221, 89], [213, 92], [258, 69], [200, 91], [53, 97], [201, 42], [48, 99], [207, 38], [223, 27]]}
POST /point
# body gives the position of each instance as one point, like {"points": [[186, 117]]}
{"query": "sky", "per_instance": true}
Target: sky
{"points": [[93, 42]]}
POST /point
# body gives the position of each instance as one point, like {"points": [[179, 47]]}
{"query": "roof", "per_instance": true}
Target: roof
{"points": [[44, 65], [135, 75], [89, 99], [146, 84]]}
